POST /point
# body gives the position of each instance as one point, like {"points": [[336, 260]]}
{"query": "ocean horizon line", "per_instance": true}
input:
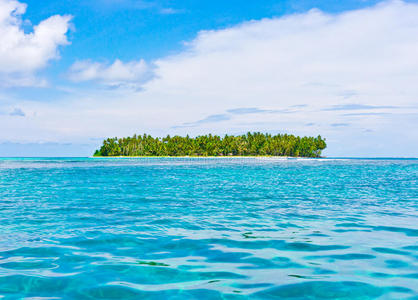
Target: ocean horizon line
{"points": [[214, 157]]}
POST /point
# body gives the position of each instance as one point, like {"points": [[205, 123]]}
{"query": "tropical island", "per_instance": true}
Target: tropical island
{"points": [[250, 144]]}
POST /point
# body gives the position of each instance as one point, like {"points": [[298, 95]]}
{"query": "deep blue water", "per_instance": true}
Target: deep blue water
{"points": [[229, 228]]}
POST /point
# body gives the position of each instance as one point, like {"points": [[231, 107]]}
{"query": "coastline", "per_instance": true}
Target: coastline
{"points": [[199, 156]]}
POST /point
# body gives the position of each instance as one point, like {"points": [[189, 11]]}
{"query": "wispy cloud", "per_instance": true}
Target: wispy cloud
{"points": [[348, 94], [249, 110], [354, 106], [121, 4], [209, 119], [230, 113], [339, 124], [133, 5], [213, 119], [256, 110], [171, 11], [17, 112], [367, 114]]}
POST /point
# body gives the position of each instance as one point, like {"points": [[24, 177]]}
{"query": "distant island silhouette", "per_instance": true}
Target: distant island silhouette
{"points": [[250, 144]]}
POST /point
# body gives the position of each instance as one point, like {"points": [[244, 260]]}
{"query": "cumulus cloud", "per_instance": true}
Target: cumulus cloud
{"points": [[309, 57], [22, 54], [363, 60], [132, 73]]}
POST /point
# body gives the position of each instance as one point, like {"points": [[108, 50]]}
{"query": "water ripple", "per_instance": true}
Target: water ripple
{"points": [[208, 229]]}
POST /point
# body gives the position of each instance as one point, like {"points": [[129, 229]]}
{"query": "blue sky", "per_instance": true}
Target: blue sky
{"points": [[129, 29], [75, 72]]}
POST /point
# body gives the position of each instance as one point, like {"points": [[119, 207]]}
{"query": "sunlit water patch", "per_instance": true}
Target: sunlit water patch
{"points": [[206, 228]]}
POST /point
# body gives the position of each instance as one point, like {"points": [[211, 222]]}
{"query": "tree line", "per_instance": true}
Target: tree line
{"points": [[250, 144]]}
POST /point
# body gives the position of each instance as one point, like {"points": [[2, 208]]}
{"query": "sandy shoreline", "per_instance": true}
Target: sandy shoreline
{"points": [[224, 157]]}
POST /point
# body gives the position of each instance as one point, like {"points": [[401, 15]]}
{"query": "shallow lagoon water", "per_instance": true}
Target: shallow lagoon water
{"points": [[207, 228]]}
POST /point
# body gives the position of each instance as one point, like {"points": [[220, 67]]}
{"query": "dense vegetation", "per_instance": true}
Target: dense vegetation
{"points": [[250, 144]]}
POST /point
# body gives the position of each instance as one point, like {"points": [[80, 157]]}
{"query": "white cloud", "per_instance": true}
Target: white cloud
{"points": [[17, 112], [22, 54], [311, 71], [132, 73], [307, 56], [171, 11]]}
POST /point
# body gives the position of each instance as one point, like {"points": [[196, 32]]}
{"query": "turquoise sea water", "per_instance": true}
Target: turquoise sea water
{"points": [[188, 228]]}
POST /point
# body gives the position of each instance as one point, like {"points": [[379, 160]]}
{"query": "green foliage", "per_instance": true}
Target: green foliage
{"points": [[250, 144]]}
